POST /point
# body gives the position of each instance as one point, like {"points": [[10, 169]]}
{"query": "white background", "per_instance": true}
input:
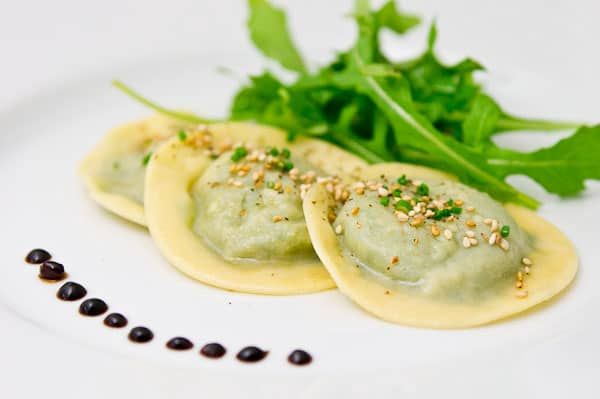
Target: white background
{"points": [[551, 44]]}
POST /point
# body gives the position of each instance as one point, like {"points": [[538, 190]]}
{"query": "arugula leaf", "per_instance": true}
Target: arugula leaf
{"points": [[479, 124], [411, 128], [561, 169], [269, 33], [389, 17]]}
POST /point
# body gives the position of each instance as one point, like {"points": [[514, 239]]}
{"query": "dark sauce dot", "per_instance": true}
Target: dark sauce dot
{"points": [[52, 271], [115, 320], [299, 357], [251, 354], [93, 307], [37, 256], [71, 291], [180, 344], [140, 334], [213, 350]]}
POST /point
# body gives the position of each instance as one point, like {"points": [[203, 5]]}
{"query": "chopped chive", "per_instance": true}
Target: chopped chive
{"points": [[397, 193], [442, 214], [274, 152], [402, 180], [505, 231], [270, 184], [456, 210], [450, 202], [287, 166], [385, 201], [423, 189], [239, 153], [147, 158], [182, 135], [286, 153], [403, 205]]}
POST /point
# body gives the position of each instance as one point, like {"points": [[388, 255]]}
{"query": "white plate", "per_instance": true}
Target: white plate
{"points": [[43, 204]]}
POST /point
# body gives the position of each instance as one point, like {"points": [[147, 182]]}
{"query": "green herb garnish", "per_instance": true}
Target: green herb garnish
{"points": [[423, 190], [274, 152], [397, 193], [505, 231], [182, 135], [403, 205], [402, 180], [456, 210], [385, 201], [287, 166], [239, 153], [146, 158], [442, 214], [286, 153]]}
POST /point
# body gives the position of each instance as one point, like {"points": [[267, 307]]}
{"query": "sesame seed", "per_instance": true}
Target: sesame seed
{"points": [[519, 284], [487, 221], [382, 192], [448, 234], [331, 216], [417, 221], [504, 244], [237, 183], [526, 261], [411, 213], [492, 239], [473, 241], [435, 231], [494, 226], [277, 218], [470, 223], [470, 233], [520, 276], [466, 242], [355, 211], [470, 209], [403, 217], [459, 202], [522, 294], [243, 212], [394, 260], [527, 270], [339, 229], [360, 190]]}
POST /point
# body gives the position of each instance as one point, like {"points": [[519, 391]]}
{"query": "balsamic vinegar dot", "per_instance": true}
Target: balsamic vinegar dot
{"points": [[140, 335], [115, 320], [251, 354], [37, 256], [213, 350], [93, 307], [52, 271], [179, 344], [71, 291], [299, 357]]}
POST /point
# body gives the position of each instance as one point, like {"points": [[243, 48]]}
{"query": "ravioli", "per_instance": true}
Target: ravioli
{"points": [[414, 247], [220, 215], [114, 171]]}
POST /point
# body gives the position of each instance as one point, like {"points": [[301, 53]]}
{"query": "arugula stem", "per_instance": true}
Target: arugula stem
{"points": [[509, 123], [184, 116]]}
